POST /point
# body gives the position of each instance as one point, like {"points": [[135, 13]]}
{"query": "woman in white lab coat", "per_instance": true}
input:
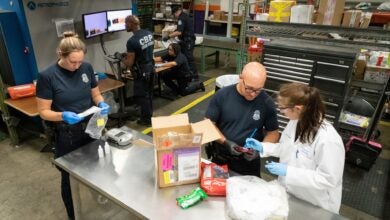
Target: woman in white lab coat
{"points": [[311, 151]]}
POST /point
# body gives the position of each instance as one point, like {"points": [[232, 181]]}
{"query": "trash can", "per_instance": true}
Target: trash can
{"points": [[225, 80]]}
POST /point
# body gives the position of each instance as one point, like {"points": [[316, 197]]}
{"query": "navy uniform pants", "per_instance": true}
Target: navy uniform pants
{"points": [[68, 139], [187, 48], [143, 94]]}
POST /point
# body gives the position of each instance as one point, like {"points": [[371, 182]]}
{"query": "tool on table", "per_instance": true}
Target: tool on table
{"points": [[119, 136]]}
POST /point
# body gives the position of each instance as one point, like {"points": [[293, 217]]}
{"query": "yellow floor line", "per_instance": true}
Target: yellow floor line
{"points": [[190, 105], [385, 123]]}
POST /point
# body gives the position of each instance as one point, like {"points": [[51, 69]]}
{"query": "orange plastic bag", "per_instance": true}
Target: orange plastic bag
{"points": [[213, 179]]}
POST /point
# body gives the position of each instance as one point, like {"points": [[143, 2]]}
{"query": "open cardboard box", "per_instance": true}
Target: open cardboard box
{"points": [[171, 160]]}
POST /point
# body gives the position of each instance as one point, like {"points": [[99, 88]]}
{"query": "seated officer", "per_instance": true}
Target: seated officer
{"points": [[179, 72]]}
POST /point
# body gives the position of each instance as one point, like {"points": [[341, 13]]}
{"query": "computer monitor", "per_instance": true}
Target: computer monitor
{"points": [[116, 19], [95, 24]]}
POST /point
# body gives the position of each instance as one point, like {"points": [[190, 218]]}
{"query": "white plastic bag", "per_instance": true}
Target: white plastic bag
{"points": [[96, 125], [249, 197]]}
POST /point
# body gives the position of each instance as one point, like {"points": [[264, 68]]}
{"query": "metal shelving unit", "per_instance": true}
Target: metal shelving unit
{"points": [[158, 6], [375, 39], [144, 10]]}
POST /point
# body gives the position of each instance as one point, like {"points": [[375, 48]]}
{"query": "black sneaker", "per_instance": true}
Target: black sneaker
{"points": [[144, 122], [202, 87]]}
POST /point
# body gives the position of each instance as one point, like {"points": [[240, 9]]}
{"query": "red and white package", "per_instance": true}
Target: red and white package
{"points": [[213, 179]]}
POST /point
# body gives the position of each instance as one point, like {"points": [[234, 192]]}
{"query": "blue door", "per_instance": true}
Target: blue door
{"points": [[15, 66]]}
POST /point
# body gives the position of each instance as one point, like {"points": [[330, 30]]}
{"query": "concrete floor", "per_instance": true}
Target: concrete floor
{"points": [[30, 184]]}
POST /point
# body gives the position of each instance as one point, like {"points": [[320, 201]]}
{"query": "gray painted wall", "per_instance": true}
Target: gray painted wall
{"points": [[44, 35]]}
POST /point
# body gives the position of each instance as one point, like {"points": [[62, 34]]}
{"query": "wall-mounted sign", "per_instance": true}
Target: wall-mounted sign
{"points": [[32, 5]]}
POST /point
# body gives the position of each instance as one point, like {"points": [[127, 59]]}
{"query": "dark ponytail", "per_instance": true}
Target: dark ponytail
{"points": [[313, 111]]}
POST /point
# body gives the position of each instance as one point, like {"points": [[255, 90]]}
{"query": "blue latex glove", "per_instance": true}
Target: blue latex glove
{"points": [[254, 144], [279, 169], [71, 117], [105, 108]]}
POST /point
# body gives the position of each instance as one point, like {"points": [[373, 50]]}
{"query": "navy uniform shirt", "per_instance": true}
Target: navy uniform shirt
{"points": [[185, 25], [142, 44], [182, 68], [237, 117], [69, 91]]}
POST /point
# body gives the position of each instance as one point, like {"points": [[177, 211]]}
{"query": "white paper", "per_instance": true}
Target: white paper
{"points": [[188, 166], [89, 111]]}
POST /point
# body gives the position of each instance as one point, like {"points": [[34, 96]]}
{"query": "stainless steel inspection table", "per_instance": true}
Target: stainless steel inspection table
{"points": [[122, 186]]}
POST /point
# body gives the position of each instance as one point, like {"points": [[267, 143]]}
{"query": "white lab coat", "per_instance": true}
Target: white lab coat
{"points": [[314, 171]]}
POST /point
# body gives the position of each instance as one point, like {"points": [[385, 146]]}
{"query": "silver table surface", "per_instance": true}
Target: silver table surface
{"points": [[127, 177]]}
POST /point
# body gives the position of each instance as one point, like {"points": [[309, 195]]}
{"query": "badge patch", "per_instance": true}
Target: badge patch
{"points": [[179, 22], [256, 115], [84, 77]]}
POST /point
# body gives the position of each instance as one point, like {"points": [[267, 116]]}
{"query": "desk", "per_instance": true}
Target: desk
{"points": [[29, 106], [124, 186], [160, 70]]}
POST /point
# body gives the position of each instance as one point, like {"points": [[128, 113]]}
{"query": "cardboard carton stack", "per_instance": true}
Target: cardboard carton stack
{"points": [[330, 12]]}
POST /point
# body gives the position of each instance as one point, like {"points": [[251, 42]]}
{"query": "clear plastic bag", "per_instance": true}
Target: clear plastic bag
{"points": [[109, 99], [96, 125]]}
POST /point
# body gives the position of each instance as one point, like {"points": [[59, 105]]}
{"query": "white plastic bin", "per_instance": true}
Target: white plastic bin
{"points": [[225, 80]]}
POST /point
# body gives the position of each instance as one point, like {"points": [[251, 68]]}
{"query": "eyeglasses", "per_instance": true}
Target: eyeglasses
{"points": [[251, 90], [284, 107]]}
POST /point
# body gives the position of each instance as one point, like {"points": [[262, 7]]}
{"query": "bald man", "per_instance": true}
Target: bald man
{"points": [[139, 58], [239, 110]]}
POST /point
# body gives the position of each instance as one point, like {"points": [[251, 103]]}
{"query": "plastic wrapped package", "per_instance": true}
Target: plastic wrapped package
{"points": [[213, 179], [249, 197], [96, 125]]}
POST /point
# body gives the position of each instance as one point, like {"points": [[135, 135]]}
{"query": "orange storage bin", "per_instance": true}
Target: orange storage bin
{"points": [[20, 91]]}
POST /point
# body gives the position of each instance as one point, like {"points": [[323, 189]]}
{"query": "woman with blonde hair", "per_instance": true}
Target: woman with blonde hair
{"points": [[64, 89]]}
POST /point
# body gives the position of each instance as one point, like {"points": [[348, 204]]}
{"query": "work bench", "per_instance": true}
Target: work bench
{"points": [[122, 185]]}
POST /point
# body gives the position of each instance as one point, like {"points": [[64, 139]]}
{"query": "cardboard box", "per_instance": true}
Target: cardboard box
{"points": [[280, 11], [360, 68], [178, 148], [376, 74], [330, 12], [158, 28], [351, 18], [237, 18], [218, 15], [365, 19]]}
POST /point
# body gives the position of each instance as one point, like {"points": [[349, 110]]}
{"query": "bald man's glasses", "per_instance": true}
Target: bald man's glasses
{"points": [[250, 89]]}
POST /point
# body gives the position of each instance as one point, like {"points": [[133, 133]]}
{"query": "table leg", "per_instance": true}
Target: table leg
{"points": [[7, 118], [74, 186]]}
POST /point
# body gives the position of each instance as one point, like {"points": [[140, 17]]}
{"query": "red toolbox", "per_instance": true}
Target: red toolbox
{"points": [[20, 91]]}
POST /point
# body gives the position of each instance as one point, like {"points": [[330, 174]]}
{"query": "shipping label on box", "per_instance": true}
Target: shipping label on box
{"points": [[330, 12], [280, 11]]}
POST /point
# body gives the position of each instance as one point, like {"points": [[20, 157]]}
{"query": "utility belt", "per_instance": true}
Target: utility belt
{"points": [[144, 71]]}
